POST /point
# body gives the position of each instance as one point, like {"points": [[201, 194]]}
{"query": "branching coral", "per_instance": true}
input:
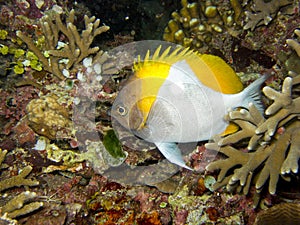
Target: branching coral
{"points": [[58, 56], [18, 205], [294, 44], [273, 147], [263, 12], [16, 181]]}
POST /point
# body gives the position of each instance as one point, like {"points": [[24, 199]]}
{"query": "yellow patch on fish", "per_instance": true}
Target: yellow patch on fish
{"points": [[150, 87], [157, 66], [215, 73]]}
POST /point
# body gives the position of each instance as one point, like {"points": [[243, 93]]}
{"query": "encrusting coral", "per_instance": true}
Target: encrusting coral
{"points": [[47, 117], [56, 56], [96, 154], [18, 205], [284, 213], [273, 147]]}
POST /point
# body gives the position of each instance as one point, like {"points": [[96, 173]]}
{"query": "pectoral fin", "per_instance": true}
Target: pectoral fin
{"points": [[172, 153]]}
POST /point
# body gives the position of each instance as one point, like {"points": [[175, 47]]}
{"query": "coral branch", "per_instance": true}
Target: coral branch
{"points": [[264, 12], [72, 52], [288, 109], [273, 153], [18, 180], [295, 44], [281, 99], [34, 49], [248, 122], [2, 155], [25, 209], [290, 164], [16, 207], [234, 158]]}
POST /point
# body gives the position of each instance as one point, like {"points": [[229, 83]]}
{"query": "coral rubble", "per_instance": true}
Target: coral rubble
{"points": [[13, 106], [191, 207], [273, 146]]}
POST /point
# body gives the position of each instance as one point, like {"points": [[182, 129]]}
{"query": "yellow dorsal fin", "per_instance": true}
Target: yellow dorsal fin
{"points": [[147, 56], [164, 54], [166, 57], [211, 70], [156, 54]]}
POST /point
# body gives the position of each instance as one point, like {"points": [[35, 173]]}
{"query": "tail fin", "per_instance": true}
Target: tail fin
{"points": [[252, 93]]}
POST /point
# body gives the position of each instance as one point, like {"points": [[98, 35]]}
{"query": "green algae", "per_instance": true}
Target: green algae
{"points": [[113, 145], [3, 34]]}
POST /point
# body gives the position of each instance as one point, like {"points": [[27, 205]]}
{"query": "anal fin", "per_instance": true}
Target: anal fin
{"points": [[230, 129]]}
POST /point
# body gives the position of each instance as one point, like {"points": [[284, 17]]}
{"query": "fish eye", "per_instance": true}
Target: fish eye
{"points": [[122, 110]]}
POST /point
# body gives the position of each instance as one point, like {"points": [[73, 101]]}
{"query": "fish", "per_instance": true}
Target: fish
{"points": [[177, 95]]}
